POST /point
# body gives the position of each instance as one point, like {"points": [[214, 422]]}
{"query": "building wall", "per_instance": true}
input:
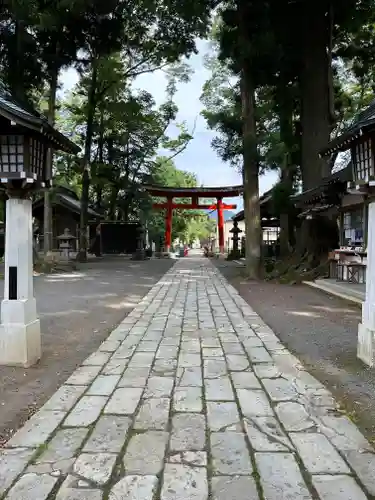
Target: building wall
{"points": [[349, 200], [353, 221]]}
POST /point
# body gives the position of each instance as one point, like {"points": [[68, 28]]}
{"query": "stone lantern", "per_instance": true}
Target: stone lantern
{"points": [[360, 140], [236, 231], [66, 243], [25, 137], [139, 253]]}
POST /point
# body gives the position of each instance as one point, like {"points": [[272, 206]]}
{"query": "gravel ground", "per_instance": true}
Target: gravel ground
{"points": [[77, 312], [322, 331]]}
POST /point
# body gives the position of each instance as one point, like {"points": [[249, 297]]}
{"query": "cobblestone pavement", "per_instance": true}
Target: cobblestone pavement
{"points": [[191, 397]]}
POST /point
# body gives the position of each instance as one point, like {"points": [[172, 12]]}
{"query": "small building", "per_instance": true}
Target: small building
{"points": [[337, 197], [270, 225], [332, 199], [66, 209], [359, 139]]}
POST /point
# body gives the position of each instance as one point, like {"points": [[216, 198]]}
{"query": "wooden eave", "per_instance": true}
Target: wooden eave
{"points": [[29, 119], [327, 191], [201, 192], [362, 126], [263, 203]]}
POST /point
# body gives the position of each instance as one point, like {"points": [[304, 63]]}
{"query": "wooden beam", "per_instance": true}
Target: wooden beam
{"points": [[192, 206]]}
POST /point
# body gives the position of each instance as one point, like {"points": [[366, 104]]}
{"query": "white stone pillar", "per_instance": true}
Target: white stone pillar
{"points": [[366, 329], [20, 339]]}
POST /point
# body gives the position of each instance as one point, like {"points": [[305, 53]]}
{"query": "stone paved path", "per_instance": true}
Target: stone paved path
{"points": [[191, 397]]}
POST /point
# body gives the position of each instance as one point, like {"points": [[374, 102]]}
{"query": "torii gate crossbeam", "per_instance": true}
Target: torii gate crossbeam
{"points": [[194, 194]]}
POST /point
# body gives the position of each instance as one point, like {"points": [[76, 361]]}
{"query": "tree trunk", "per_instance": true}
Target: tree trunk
{"points": [[91, 104], [113, 202], [16, 70], [99, 197], [48, 225], [284, 97], [126, 213], [315, 93], [253, 229], [250, 178], [101, 137], [316, 120]]}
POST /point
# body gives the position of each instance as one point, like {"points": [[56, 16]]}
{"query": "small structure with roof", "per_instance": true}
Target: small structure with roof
{"points": [[331, 198], [25, 138], [270, 225], [359, 138], [66, 209]]}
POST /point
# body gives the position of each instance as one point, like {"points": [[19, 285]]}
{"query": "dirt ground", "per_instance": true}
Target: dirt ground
{"points": [[321, 331], [77, 312]]}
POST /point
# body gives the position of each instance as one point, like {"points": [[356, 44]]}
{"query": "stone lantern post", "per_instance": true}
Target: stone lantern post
{"points": [[139, 252], [25, 138], [66, 243], [236, 231]]}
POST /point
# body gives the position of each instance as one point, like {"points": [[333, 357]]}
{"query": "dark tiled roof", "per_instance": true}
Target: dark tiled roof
{"points": [[265, 198], [26, 117], [69, 202], [74, 204], [339, 179], [362, 123], [314, 210]]}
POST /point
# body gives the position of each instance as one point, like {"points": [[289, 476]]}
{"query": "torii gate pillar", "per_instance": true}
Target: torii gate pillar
{"points": [[220, 224], [168, 224]]}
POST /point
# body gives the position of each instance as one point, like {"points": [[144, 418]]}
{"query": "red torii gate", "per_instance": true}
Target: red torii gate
{"points": [[194, 193]]}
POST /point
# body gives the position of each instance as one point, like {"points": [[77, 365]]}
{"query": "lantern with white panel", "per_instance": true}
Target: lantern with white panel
{"points": [[25, 138], [363, 164], [22, 159]]}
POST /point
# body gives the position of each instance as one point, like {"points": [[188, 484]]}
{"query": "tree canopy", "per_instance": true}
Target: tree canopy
{"points": [[120, 129], [278, 93]]}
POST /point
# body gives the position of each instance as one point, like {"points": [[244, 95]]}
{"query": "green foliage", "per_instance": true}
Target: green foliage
{"points": [[110, 42], [275, 55], [128, 130], [277, 91]]}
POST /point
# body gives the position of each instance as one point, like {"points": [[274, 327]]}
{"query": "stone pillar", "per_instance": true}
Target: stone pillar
{"points": [[139, 252], [20, 339], [366, 329]]}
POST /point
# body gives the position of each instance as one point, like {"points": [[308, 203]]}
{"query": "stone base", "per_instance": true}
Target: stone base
{"points": [[139, 255], [20, 345], [20, 339], [366, 344], [221, 256]]}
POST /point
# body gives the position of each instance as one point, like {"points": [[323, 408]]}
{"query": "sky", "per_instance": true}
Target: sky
{"points": [[199, 157]]}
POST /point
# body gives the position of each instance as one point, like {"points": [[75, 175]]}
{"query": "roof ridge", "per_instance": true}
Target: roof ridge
{"points": [[7, 95], [368, 112]]}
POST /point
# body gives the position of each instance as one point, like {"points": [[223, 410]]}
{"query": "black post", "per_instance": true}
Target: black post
{"points": [[140, 251], [235, 253]]}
